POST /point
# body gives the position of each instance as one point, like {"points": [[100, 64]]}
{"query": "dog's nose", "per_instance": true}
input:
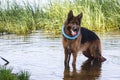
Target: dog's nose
{"points": [[75, 28]]}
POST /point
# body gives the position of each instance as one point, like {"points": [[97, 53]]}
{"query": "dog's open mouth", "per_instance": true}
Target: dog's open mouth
{"points": [[74, 32]]}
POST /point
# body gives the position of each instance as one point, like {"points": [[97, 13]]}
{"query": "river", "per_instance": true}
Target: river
{"points": [[43, 57]]}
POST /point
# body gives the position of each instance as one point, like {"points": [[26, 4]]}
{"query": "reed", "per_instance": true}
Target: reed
{"points": [[98, 15], [18, 19]]}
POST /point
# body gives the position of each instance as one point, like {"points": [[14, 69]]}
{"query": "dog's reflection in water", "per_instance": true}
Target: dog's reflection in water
{"points": [[90, 70]]}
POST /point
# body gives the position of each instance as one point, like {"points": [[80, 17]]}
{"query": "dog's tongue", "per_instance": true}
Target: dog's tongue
{"points": [[73, 33]]}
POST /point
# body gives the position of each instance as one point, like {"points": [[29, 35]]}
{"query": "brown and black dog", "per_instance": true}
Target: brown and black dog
{"points": [[77, 38]]}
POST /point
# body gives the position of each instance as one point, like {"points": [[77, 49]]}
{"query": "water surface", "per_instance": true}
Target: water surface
{"points": [[43, 57]]}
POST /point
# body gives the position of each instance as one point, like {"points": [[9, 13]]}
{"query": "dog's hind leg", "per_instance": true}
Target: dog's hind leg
{"points": [[96, 53], [99, 55], [88, 54]]}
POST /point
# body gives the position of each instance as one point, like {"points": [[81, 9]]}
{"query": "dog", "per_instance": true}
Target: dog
{"points": [[76, 38]]}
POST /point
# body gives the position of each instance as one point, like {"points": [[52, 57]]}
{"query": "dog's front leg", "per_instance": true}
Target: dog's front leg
{"points": [[67, 57], [74, 59]]}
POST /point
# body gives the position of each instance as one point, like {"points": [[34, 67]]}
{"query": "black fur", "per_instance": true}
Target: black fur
{"points": [[88, 35]]}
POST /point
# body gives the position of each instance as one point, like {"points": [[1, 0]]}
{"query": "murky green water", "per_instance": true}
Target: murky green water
{"points": [[43, 57]]}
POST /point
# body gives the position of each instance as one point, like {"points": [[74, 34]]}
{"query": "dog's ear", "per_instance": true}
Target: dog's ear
{"points": [[79, 17], [70, 16]]}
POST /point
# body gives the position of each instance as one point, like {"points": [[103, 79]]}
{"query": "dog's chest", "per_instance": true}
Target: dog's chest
{"points": [[77, 46], [73, 46]]}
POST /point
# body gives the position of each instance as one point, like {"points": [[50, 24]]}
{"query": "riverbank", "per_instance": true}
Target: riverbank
{"points": [[100, 16]]}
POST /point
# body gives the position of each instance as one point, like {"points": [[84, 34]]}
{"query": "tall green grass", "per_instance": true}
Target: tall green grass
{"points": [[98, 15], [6, 74], [18, 19]]}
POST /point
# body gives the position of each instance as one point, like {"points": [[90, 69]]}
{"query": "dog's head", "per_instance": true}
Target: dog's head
{"points": [[72, 24]]}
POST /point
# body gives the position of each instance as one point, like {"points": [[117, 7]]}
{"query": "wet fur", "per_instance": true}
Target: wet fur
{"points": [[87, 42]]}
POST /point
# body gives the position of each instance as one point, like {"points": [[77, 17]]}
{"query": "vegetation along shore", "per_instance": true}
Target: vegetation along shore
{"points": [[98, 15]]}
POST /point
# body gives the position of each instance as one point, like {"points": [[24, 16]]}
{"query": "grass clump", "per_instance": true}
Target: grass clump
{"points": [[23, 75], [6, 74]]}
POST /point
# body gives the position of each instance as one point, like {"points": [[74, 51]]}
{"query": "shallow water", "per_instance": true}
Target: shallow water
{"points": [[43, 57]]}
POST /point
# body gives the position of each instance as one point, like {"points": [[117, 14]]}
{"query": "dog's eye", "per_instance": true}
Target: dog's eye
{"points": [[68, 28], [77, 23]]}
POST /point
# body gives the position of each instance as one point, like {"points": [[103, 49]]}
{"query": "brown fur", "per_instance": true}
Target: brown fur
{"points": [[91, 49]]}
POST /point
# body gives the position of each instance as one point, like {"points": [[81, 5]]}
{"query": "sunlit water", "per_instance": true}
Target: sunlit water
{"points": [[43, 57]]}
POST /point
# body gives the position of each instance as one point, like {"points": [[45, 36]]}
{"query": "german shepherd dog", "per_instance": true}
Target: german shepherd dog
{"points": [[77, 38]]}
